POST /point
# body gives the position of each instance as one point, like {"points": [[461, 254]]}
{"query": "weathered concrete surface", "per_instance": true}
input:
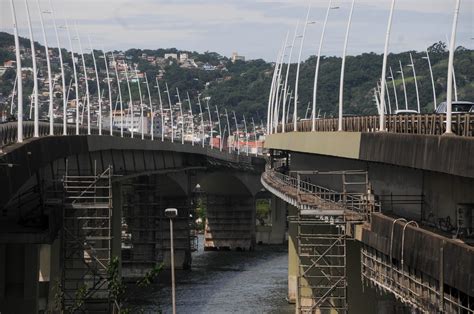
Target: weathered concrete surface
{"points": [[446, 154], [422, 251], [230, 222], [339, 144], [293, 261]]}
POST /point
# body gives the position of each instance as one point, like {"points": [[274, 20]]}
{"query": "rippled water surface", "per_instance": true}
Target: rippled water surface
{"points": [[226, 282]]}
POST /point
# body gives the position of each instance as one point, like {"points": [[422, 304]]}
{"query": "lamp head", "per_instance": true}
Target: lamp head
{"points": [[171, 212]]}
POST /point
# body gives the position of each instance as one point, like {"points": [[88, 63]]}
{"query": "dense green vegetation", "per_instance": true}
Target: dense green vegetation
{"points": [[244, 86]]}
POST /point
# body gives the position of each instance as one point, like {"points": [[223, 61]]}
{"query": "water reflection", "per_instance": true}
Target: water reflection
{"points": [[225, 282]]}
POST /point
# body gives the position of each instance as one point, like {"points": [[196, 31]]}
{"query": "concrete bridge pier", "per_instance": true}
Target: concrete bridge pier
{"points": [[278, 212], [145, 229], [19, 278], [230, 223], [293, 260], [230, 199]]}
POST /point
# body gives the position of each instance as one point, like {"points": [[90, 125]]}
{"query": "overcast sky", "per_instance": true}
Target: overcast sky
{"points": [[253, 28]]}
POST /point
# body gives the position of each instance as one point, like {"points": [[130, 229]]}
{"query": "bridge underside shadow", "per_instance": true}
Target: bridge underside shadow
{"points": [[146, 178], [229, 199]]}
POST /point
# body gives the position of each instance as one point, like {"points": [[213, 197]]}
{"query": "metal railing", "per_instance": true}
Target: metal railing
{"points": [[9, 136], [353, 201], [427, 124]]}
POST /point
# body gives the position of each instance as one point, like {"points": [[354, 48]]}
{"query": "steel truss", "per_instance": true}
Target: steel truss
{"points": [[86, 240]]}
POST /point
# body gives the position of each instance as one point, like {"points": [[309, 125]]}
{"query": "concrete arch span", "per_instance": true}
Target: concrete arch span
{"points": [[229, 198]]}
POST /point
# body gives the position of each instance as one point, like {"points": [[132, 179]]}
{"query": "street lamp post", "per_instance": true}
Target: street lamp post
{"points": [[295, 109], [142, 120], [76, 81], [211, 125], [279, 94], [343, 66], [220, 128], [161, 112], [384, 67], [228, 126], [449, 100], [380, 93], [270, 100], [255, 137], [182, 116], [99, 96], [86, 81], [307, 110], [404, 84], [63, 77], [455, 85], [283, 118], [288, 107], [119, 94], [246, 137], [388, 99], [412, 65], [223, 133], [238, 135], [192, 119], [316, 72], [394, 87], [171, 113], [202, 119], [432, 78], [152, 113], [111, 122], [172, 213], [130, 101], [274, 89], [35, 73], [48, 64], [18, 75]]}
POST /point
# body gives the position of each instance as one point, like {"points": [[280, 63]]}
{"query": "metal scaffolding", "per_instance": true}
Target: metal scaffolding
{"points": [[86, 240], [322, 280], [323, 219]]}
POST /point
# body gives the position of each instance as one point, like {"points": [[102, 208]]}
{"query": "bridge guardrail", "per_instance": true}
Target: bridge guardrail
{"points": [[429, 124], [9, 135], [353, 201]]}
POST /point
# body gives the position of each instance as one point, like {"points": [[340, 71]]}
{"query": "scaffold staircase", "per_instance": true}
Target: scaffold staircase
{"points": [[324, 220], [322, 280], [86, 241]]}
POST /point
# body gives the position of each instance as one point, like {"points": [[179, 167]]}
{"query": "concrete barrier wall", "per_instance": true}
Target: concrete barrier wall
{"points": [[447, 154], [422, 251]]}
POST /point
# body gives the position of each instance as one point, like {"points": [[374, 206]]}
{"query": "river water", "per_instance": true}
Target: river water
{"points": [[225, 282]]}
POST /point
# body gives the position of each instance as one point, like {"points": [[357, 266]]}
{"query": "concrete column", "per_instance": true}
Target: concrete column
{"points": [[279, 219], [55, 271], [230, 222], [3, 259], [292, 257], [20, 271], [145, 201]]}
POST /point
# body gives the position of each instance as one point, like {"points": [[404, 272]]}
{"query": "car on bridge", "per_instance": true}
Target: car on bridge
{"points": [[405, 112], [458, 107]]}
